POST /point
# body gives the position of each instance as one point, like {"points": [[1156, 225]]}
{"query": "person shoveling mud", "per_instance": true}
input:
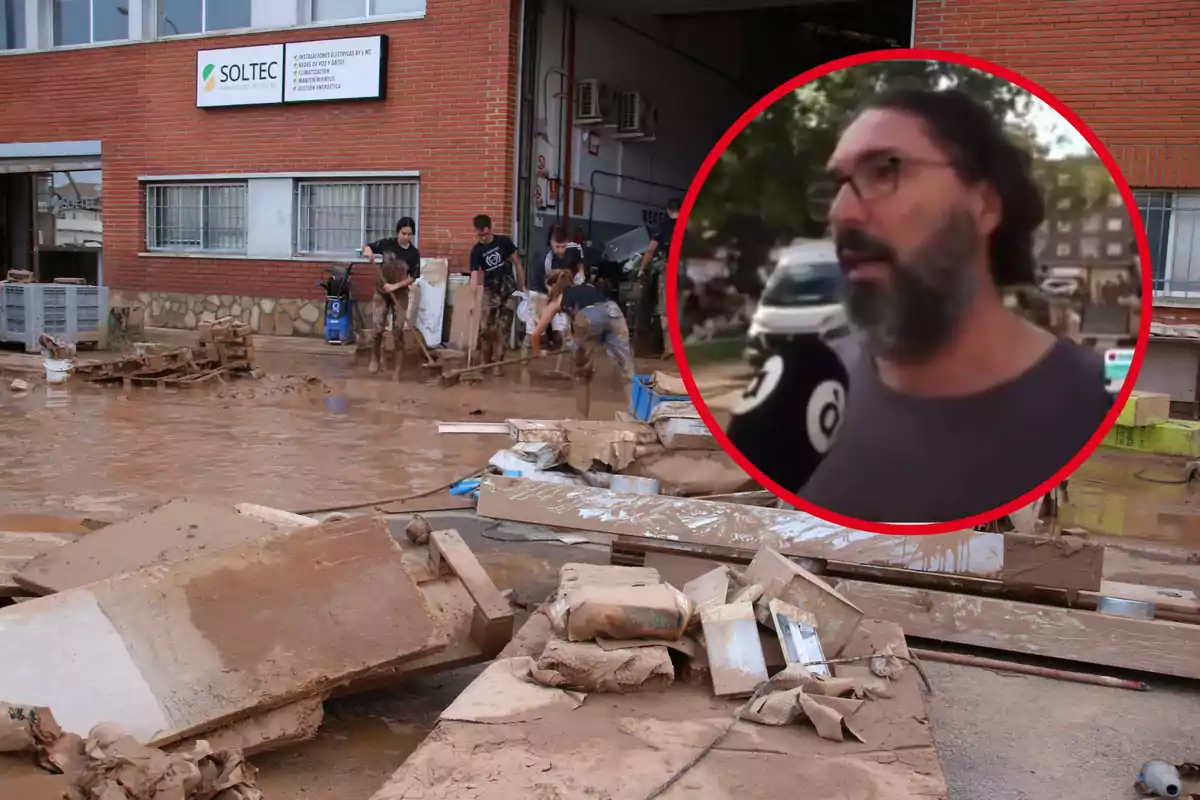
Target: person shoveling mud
{"points": [[596, 323]]}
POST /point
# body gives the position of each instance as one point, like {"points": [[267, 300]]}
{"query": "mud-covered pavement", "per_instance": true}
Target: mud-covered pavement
{"points": [[315, 431], [350, 439]]}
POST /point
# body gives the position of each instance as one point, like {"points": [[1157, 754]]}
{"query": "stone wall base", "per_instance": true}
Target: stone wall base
{"points": [[266, 315]]}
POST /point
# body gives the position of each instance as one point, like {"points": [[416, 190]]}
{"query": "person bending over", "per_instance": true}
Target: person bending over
{"points": [[596, 324]]}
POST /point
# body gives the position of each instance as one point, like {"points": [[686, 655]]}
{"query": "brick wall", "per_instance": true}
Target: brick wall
{"points": [[1128, 68], [450, 113]]}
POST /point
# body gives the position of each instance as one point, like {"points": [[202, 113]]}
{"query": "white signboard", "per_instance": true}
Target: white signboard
{"points": [[335, 69], [305, 72], [240, 76]]}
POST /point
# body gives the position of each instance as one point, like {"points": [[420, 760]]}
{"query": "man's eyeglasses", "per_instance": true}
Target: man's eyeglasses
{"points": [[871, 179]]}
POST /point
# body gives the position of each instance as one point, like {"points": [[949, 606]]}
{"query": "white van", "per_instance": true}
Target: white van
{"points": [[801, 296]]}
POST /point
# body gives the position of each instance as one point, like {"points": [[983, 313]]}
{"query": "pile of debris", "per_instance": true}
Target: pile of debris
{"points": [[151, 635], [225, 350], [671, 452], [774, 633]]}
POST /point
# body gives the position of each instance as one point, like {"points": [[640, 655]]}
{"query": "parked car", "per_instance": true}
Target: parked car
{"points": [[802, 296]]}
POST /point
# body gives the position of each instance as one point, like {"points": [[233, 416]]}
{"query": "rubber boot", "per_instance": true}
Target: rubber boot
{"points": [[373, 368]]}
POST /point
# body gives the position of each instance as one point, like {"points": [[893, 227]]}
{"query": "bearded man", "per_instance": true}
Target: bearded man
{"points": [[955, 404]]}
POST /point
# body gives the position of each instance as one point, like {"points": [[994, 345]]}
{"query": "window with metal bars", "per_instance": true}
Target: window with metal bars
{"points": [[202, 217], [339, 218], [1172, 221]]}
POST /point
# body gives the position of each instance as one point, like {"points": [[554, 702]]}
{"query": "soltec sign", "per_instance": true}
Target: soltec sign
{"points": [[240, 76], [303, 72]]}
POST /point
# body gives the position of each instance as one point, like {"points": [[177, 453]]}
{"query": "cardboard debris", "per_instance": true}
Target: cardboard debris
{"points": [[614, 445], [668, 384], [797, 632], [28, 729], [588, 667], [573, 575], [19, 548], [708, 590], [113, 765], [691, 472], [506, 692], [685, 434], [588, 612], [734, 653], [537, 430], [783, 579]]}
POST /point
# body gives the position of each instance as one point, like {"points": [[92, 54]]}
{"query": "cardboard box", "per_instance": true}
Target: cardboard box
{"points": [[1145, 408], [782, 578]]}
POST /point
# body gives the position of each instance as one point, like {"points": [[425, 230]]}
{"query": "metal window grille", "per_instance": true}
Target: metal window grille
{"points": [[1172, 221], [205, 217], [338, 218]]}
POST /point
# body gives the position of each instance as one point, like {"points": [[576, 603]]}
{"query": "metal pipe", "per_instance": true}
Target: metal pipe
{"points": [[1029, 669], [565, 183]]}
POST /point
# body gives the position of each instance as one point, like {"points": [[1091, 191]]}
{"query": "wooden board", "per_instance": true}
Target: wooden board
{"points": [[621, 746], [18, 548], [175, 650], [466, 310], [792, 533], [1159, 646], [172, 532]]}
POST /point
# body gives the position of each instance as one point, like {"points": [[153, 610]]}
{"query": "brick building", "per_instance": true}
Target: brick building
{"points": [[1129, 70], [532, 111]]}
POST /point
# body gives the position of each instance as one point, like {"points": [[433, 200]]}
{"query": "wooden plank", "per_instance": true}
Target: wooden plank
{"points": [[1159, 646], [492, 622], [792, 533], [621, 746], [172, 532], [171, 651]]}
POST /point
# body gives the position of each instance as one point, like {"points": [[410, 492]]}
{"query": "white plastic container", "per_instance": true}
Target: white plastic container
{"points": [[629, 483], [58, 369]]}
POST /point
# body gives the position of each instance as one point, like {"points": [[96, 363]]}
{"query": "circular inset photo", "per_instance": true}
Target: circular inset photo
{"points": [[909, 296]]}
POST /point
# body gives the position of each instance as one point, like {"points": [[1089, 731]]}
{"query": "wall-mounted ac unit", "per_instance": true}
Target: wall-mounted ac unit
{"points": [[637, 117], [593, 102], [631, 113]]}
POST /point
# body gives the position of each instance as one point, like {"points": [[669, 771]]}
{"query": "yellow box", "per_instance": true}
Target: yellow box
{"points": [[1173, 438]]}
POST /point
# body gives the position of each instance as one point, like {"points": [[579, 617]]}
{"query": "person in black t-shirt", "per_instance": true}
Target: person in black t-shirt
{"points": [[554, 258], [596, 323], [659, 252], [400, 269], [495, 256]]}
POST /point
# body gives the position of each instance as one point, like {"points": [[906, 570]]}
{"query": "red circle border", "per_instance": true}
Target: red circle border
{"points": [[908, 54]]}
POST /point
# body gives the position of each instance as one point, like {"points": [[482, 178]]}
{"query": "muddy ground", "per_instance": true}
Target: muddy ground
{"points": [[347, 439]]}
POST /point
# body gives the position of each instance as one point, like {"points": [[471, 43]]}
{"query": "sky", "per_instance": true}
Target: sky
{"points": [[1050, 126]]}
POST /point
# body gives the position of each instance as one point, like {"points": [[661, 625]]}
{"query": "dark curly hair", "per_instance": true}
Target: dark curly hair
{"points": [[982, 151]]}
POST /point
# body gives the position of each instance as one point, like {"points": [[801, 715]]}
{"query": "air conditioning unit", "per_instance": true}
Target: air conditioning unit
{"points": [[593, 102], [631, 113]]}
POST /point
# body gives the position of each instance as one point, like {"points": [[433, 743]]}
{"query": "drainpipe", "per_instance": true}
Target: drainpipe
{"points": [[565, 183]]}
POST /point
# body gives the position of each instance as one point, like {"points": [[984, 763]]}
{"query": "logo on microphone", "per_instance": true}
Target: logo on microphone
{"points": [[826, 407]]}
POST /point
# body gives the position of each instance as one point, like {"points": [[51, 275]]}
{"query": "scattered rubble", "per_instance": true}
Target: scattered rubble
{"points": [[225, 350]]}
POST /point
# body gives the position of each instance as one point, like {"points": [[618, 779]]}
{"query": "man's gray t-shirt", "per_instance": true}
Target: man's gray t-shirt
{"points": [[907, 459]]}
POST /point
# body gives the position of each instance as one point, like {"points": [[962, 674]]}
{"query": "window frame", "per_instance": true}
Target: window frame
{"points": [[20, 25], [300, 229], [156, 9], [152, 211], [51, 10]]}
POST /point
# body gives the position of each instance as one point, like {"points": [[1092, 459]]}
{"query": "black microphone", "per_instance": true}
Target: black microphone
{"points": [[786, 419]]}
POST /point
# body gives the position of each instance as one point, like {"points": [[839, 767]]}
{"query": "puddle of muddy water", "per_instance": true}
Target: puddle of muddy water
{"points": [[350, 758]]}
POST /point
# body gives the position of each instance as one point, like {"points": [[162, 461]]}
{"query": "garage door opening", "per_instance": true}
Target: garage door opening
{"points": [[621, 101]]}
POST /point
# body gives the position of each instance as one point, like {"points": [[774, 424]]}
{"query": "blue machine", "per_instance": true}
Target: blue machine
{"points": [[339, 307]]}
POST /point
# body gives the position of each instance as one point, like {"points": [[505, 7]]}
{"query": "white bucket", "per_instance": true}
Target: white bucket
{"points": [[57, 369]]}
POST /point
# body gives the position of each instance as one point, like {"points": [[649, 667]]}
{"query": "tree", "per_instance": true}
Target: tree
{"points": [[755, 198]]}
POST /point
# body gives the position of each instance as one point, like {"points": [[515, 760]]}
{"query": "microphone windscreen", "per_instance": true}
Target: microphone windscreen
{"points": [[786, 418]]}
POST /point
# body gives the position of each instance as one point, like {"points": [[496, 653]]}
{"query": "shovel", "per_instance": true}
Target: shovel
{"points": [[451, 377]]}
